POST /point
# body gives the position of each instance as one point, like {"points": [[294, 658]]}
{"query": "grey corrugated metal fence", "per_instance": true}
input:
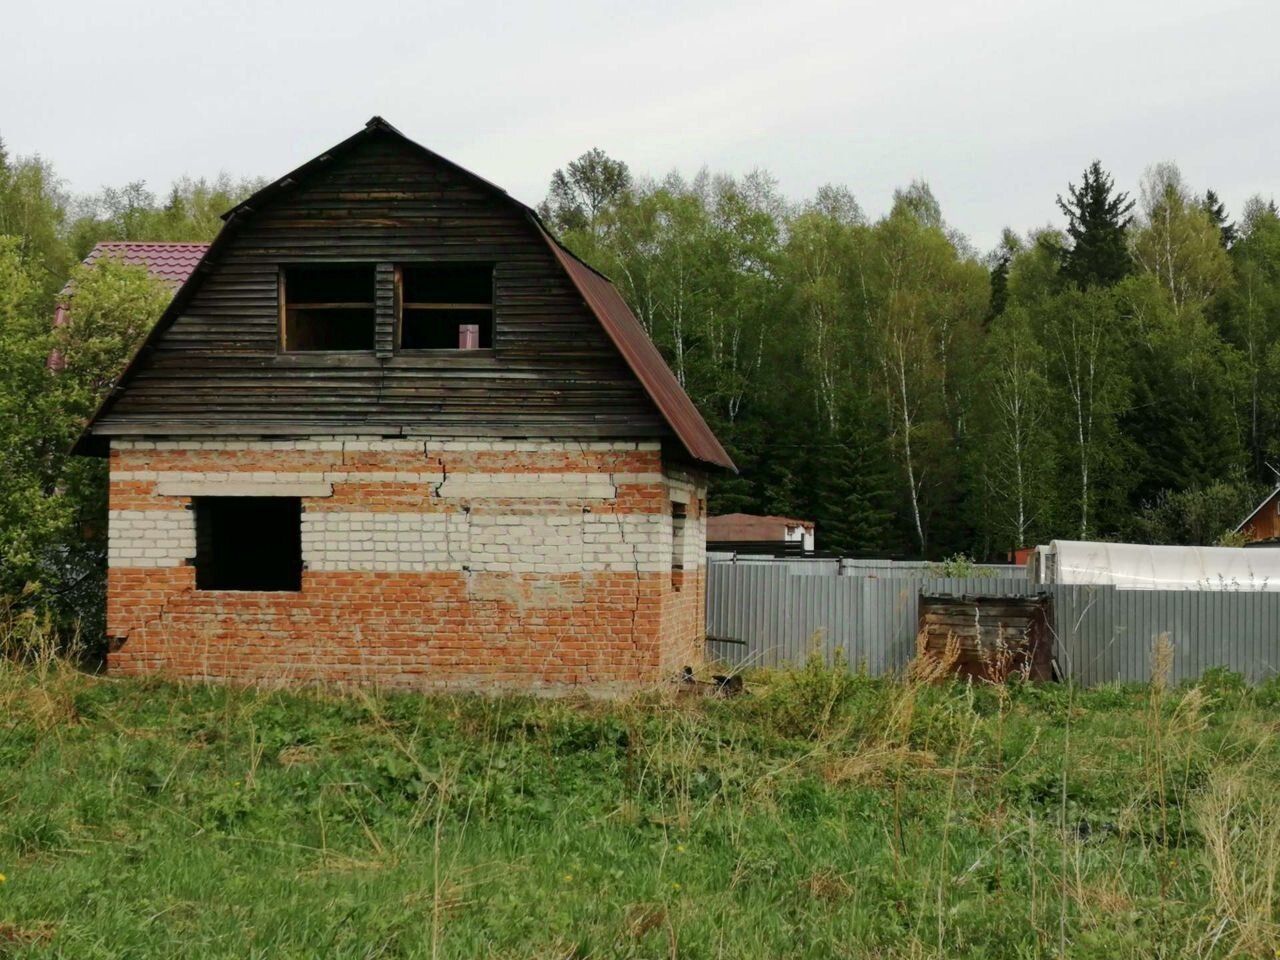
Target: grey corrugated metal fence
{"points": [[853, 567], [1101, 634]]}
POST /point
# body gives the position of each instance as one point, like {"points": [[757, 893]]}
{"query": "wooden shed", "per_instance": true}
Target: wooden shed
{"points": [[992, 637]]}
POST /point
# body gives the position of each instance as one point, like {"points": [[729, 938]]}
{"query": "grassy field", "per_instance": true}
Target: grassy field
{"points": [[820, 815]]}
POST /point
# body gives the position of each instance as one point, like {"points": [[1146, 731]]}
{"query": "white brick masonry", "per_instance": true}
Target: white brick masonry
{"points": [[382, 541], [150, 538], [694, 549], [549, 529], [484, 542]]}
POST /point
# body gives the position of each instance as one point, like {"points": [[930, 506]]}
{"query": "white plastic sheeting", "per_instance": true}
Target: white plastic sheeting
{"points": [[1137, 566]]}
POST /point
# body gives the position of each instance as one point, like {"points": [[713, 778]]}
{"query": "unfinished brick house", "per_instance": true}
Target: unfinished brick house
{"points": [[389, 430]]}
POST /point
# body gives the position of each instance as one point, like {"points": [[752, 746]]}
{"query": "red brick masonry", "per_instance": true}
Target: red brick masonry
{"points": [[428, 564]]}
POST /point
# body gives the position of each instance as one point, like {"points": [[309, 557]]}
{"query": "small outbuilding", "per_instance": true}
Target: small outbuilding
{"points": [[1262, 526], [756, 533], [989, 638]]}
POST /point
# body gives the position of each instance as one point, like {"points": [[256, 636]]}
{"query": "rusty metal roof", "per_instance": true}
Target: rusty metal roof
{"points": [[643, 357], [751, 527]]}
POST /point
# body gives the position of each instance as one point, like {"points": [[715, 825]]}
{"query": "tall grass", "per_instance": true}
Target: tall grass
{"points": [[823, 814]]}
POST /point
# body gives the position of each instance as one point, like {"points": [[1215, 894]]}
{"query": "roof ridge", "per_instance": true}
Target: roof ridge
{"points": [[152, 243]]}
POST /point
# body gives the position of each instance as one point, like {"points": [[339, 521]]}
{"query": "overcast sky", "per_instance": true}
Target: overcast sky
{"points": [[996, 104]]}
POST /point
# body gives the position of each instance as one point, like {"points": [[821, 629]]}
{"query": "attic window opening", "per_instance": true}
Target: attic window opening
{"points": [[249, 543], [327, 307], [445, 306]]}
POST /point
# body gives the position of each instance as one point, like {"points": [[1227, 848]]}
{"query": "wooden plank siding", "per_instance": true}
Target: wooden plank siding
{"points": [[553, 371]]}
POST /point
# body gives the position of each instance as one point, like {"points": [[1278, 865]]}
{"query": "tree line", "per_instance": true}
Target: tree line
{"points": [[1107, 379], [53, 505], [913, 395]]}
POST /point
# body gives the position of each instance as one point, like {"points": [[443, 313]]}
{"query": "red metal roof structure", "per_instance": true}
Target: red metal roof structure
{"points": [[171, 263], [597, 291], [751, 528]]}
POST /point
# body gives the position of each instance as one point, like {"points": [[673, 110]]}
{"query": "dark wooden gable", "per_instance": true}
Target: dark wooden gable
{"points": [[215, 368]]}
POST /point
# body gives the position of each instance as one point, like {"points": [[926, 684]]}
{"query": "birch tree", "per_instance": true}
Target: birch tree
{"points": [[1084, 344], [917, 291], [1177, 242], [1015, 449], [1252, 317]]}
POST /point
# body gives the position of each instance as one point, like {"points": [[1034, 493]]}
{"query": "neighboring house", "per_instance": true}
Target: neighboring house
{"points": [[1263, 525], [749, 531], [390, 430], [170, 263]]}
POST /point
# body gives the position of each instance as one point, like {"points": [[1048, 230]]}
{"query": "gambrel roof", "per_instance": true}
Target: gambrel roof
{"points": [[598, 294]]}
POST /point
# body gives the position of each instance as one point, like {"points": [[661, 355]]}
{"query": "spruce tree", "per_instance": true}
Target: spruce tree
{"points": [[1217, 212], [1097, 218], [999, 286], [854, 492]]}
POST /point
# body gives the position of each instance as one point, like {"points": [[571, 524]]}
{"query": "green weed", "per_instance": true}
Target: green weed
{"points": [[823, 814]]}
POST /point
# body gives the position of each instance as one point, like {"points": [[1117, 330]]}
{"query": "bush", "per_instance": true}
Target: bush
{"points": [[1219, 683], [810, 701]]}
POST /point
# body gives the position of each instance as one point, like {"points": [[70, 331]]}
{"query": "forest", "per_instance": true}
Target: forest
{"points": [[1105, 379], [1108, 377]]}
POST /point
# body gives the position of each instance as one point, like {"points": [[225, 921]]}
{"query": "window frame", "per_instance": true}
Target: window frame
{"points": [[282, 307], [399, 308]]}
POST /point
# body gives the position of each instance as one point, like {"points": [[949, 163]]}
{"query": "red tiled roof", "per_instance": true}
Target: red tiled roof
{"points": [[171, 263], [750, 527]]}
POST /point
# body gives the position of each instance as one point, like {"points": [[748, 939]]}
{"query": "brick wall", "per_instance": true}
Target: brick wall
{"points": [[426, 563]]}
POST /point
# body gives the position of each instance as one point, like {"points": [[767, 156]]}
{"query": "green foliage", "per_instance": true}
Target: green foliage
{"points": [[53, 505], [811, 700], [190, 213], [1220, 683], [874, 376], [33, 208], [1201, 515], [1217, 212], [1014, 445], [583, 190], [958, 565]]}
